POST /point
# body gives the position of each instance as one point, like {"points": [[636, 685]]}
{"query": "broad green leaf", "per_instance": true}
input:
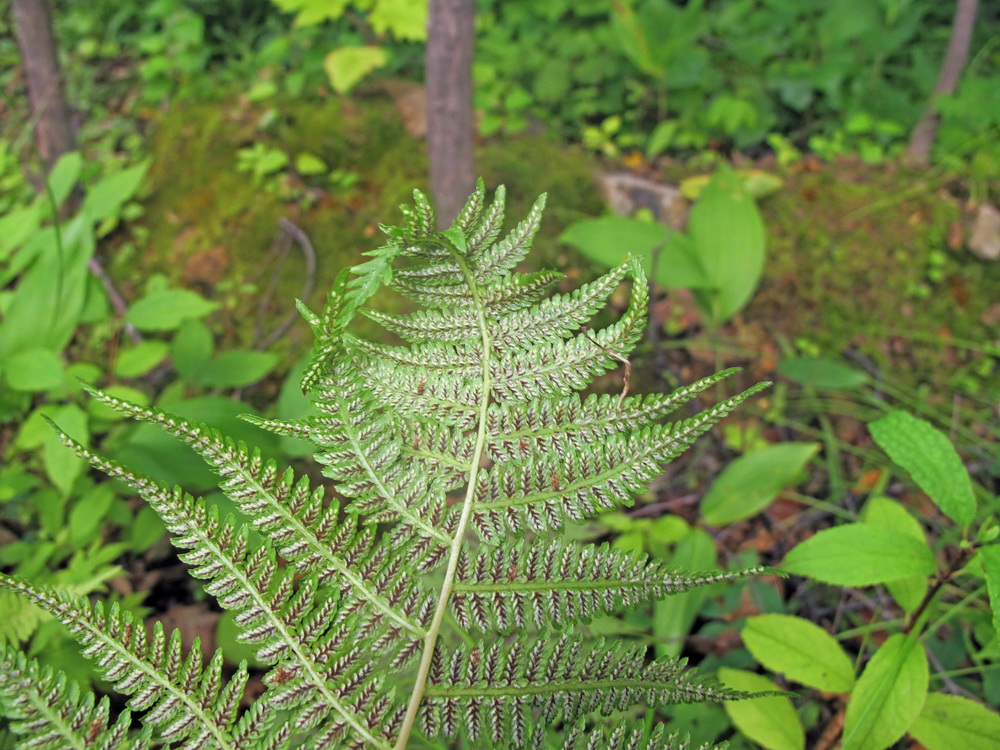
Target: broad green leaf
{"points": [[105, 198], [770, 722], [948, 722], [64, 176], [86, 513], [728, 235], [310, 164], [888, 696], [346, 66], [192, 346], [800, 650], [17, 226], [33, 370], [45, 309], [750, 483], [63, 466], [236, 368], [146, 530], [823, 374], [139, 359], [882, 511], [609, 240], [673, 616], [404, 19], [860, 554], [167, 309], [990, 559], [931, 460]]}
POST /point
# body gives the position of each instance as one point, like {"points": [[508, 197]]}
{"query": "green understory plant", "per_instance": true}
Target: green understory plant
{"points": [[432, 602], [941, 621]]}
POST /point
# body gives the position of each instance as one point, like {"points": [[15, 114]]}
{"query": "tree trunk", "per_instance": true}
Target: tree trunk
{"points": [[46, 92], [919, 149], [450, 122]]}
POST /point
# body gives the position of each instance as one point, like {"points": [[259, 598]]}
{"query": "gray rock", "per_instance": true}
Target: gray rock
{"points": [[985, 239]]}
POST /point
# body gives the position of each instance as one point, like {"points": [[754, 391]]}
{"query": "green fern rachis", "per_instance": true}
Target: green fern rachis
{"points": [[432, 599]]}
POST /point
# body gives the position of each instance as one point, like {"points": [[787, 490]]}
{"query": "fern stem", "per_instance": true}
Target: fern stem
{"points": [[434, 631]]}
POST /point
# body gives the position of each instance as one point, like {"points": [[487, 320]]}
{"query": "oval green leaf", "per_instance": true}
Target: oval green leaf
{"points": [[167, 309], [888, 697], [931, 460], [33, 370], [800, 650], [860, 554], [989, 557], [139, 359], [823, 374], [883, 511], [236, 368], [770, 722], [750, 483], [951, 721], [346, 66]]}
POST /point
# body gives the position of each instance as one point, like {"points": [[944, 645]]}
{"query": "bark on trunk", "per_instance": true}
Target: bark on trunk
{"points": [[449, 105], [919, 149], [46, 92]]}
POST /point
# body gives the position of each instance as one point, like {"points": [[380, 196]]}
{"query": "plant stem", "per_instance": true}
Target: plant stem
{"points": [[434, 631]]}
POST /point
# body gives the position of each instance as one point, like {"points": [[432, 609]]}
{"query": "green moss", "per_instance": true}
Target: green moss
{"points": [[859, 259]]}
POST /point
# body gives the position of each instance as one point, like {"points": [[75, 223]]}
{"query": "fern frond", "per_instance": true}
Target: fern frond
{"points": [[542, 493], [51, 712], [626, 736], [185, 702], [548, 583], [493, 693], [453, 458]]}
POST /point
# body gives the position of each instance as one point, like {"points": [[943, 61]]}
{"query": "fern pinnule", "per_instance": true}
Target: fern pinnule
{"points": [[51, 713]]}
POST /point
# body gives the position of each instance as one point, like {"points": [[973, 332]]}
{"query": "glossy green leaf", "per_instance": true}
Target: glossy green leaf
{"points": [[63, 466], [822, 374], [947, 722], [860, 554], [770, 722], [139, 359], [728, 234], [87, 512], [168, 309], [674, 615], [888, 696], [45, 309], [310, 164], [234, 369], [989, 557], [882, 511], [33, 370], [609, 240], [750, 483], [63, 177], [105, 198], [931, 460], [800, 650], [347, 66], [404, 19]]}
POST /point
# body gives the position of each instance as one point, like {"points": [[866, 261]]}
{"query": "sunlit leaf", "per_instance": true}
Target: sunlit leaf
{"points": [[800, 650], [947, 722], [770, 722], [931, 460], [346, 66], [888, 696], [860, 554], [750, 483]]}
